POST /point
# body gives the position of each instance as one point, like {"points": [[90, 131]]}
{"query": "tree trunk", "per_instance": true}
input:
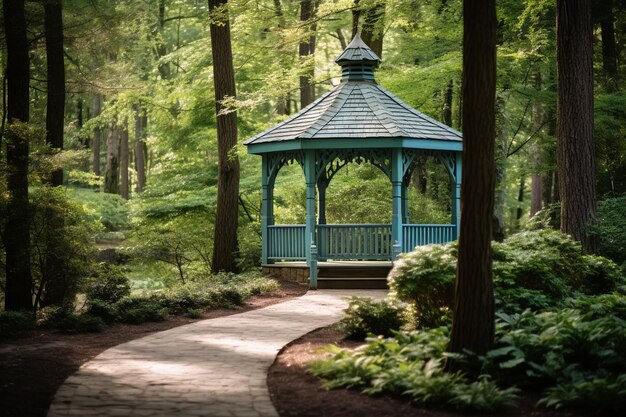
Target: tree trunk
{"points": [[473, 318], [519, 212], [161, 49], [373, 28], [55, 109], [16, 230], [356, 16], [447, 104], [124, 188], [500, 169], [282, 107], [140, 150], [536, 182], [609, 48], [97, 135], [225, 245], [307, 52], [575, 140], [112, 170]]}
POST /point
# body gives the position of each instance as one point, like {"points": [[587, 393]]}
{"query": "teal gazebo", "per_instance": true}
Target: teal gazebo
{"points": [[357, 121]]}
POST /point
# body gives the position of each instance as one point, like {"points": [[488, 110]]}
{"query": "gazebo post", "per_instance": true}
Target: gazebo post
{"points": [[455, 192], [309, 174], [321, 195], [396, 192], [267, 207], [405, 202]]}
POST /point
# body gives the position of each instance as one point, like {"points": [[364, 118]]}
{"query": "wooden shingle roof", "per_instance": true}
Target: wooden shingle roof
{"points": [[357, 109]]}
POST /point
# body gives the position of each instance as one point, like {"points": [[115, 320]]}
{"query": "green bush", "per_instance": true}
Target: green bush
{"points": [[107, 312], [601, 275], [610, 228], [366, 316], [82, 323], [14, 322], [425, 279], [109, 285], [138, 310], [194, 313], [411, 364], [110, 210]]}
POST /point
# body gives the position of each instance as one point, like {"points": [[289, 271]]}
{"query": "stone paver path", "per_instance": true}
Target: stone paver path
{"points": [[214, 368]]}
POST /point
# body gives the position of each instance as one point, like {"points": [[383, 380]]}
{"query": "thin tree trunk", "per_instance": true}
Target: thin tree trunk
{"points": [[161, 49], [16, 230], [124, 187], [342, 39], [283, 102], [536, 182], [500, 161], [519, 212], [575, 140], [140, 151], [473, 318], [97, 135], [80, 118], [356, 16], [112, 170], [55, 109], [447, 104], [306, 51], [609, 47], [373, 28], [225, 246]]}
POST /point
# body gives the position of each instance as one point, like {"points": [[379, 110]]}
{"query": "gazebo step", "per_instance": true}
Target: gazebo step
{"points": [[352, 283], [369, 271]]}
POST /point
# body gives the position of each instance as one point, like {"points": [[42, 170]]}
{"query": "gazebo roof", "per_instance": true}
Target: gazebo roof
{"points": [[357, 108]]}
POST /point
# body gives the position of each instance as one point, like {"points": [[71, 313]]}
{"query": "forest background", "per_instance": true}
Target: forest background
{"points": [[140, 145]]}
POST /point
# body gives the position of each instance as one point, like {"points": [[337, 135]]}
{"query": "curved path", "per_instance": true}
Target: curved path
{"points": [[214, 368]]}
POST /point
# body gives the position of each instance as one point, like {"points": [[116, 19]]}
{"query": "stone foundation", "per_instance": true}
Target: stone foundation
{"points": [[292, 273]]}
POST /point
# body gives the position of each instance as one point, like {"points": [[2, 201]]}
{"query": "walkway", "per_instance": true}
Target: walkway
{"points": [[212, 368]]}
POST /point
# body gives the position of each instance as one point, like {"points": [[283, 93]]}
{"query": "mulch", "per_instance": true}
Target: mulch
{"points": [[33, 366], [297, 393]]}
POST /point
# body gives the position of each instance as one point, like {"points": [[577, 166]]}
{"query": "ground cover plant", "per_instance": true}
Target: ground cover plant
{"points": [[560, 332]]}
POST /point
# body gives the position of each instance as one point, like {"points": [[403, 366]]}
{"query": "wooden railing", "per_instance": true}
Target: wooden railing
{"points": [[354, 241], [424, 234], [286, 241]]}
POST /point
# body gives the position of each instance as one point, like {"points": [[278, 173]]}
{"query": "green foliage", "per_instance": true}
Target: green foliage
{"points": [[138, 310], [365, 316], [107, 312], [80, 323], [14, 322], [411, 365], [109, 285], [610, 228], [425, 278], [110, 210]]}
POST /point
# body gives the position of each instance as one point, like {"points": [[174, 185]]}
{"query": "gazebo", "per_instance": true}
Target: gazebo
{"points": [[357, 121]]}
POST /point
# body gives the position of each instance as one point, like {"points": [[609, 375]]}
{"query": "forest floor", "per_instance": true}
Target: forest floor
{"points": [[297, 393], [33, 366]]}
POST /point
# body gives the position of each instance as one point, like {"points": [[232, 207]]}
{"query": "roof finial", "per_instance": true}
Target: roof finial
{"points": [[357, 61]]}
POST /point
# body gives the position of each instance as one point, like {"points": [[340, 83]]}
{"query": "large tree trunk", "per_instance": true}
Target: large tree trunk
{"points": [[373, 28], [473, 319], [140, 150], [112, 169], [447, 104], [519, 212], [225, 244], [307, 52], [575, 141], [97, 135], [16, 230], [124, 188], [55, 109]]}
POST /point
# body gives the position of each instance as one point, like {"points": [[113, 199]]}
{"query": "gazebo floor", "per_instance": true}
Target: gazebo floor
{"points": [[335, 274]]}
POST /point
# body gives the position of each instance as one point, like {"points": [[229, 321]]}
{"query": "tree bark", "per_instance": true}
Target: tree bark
{"points": [[447, 104], [536, 181], [473, 318], [55, 109], [140, 150], [16, 230], [225, 245], [124, 188], [373, 28], [97, 135], [112, 170], [306, 51], [609, 47], [519, 212], [575, 138]]}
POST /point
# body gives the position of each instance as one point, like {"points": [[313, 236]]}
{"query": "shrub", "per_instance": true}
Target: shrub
{"points": [[601, 275], [107, 312], [425, 278], [610, 228], [194, 313], [109, 285], [83, 323], [14, 322], [138, 310], [366, 316]]}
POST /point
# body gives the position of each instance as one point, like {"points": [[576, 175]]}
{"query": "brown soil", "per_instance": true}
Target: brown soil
{"points": [[296, 393], [34, 366]]}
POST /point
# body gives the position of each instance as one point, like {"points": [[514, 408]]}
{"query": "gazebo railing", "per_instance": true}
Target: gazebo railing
{"points": [[286, 241], [354, 241], [424, 234]]}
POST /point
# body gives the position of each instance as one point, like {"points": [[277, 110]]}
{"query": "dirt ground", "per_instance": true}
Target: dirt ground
{"points": [[33, 366], [296, 393]]}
